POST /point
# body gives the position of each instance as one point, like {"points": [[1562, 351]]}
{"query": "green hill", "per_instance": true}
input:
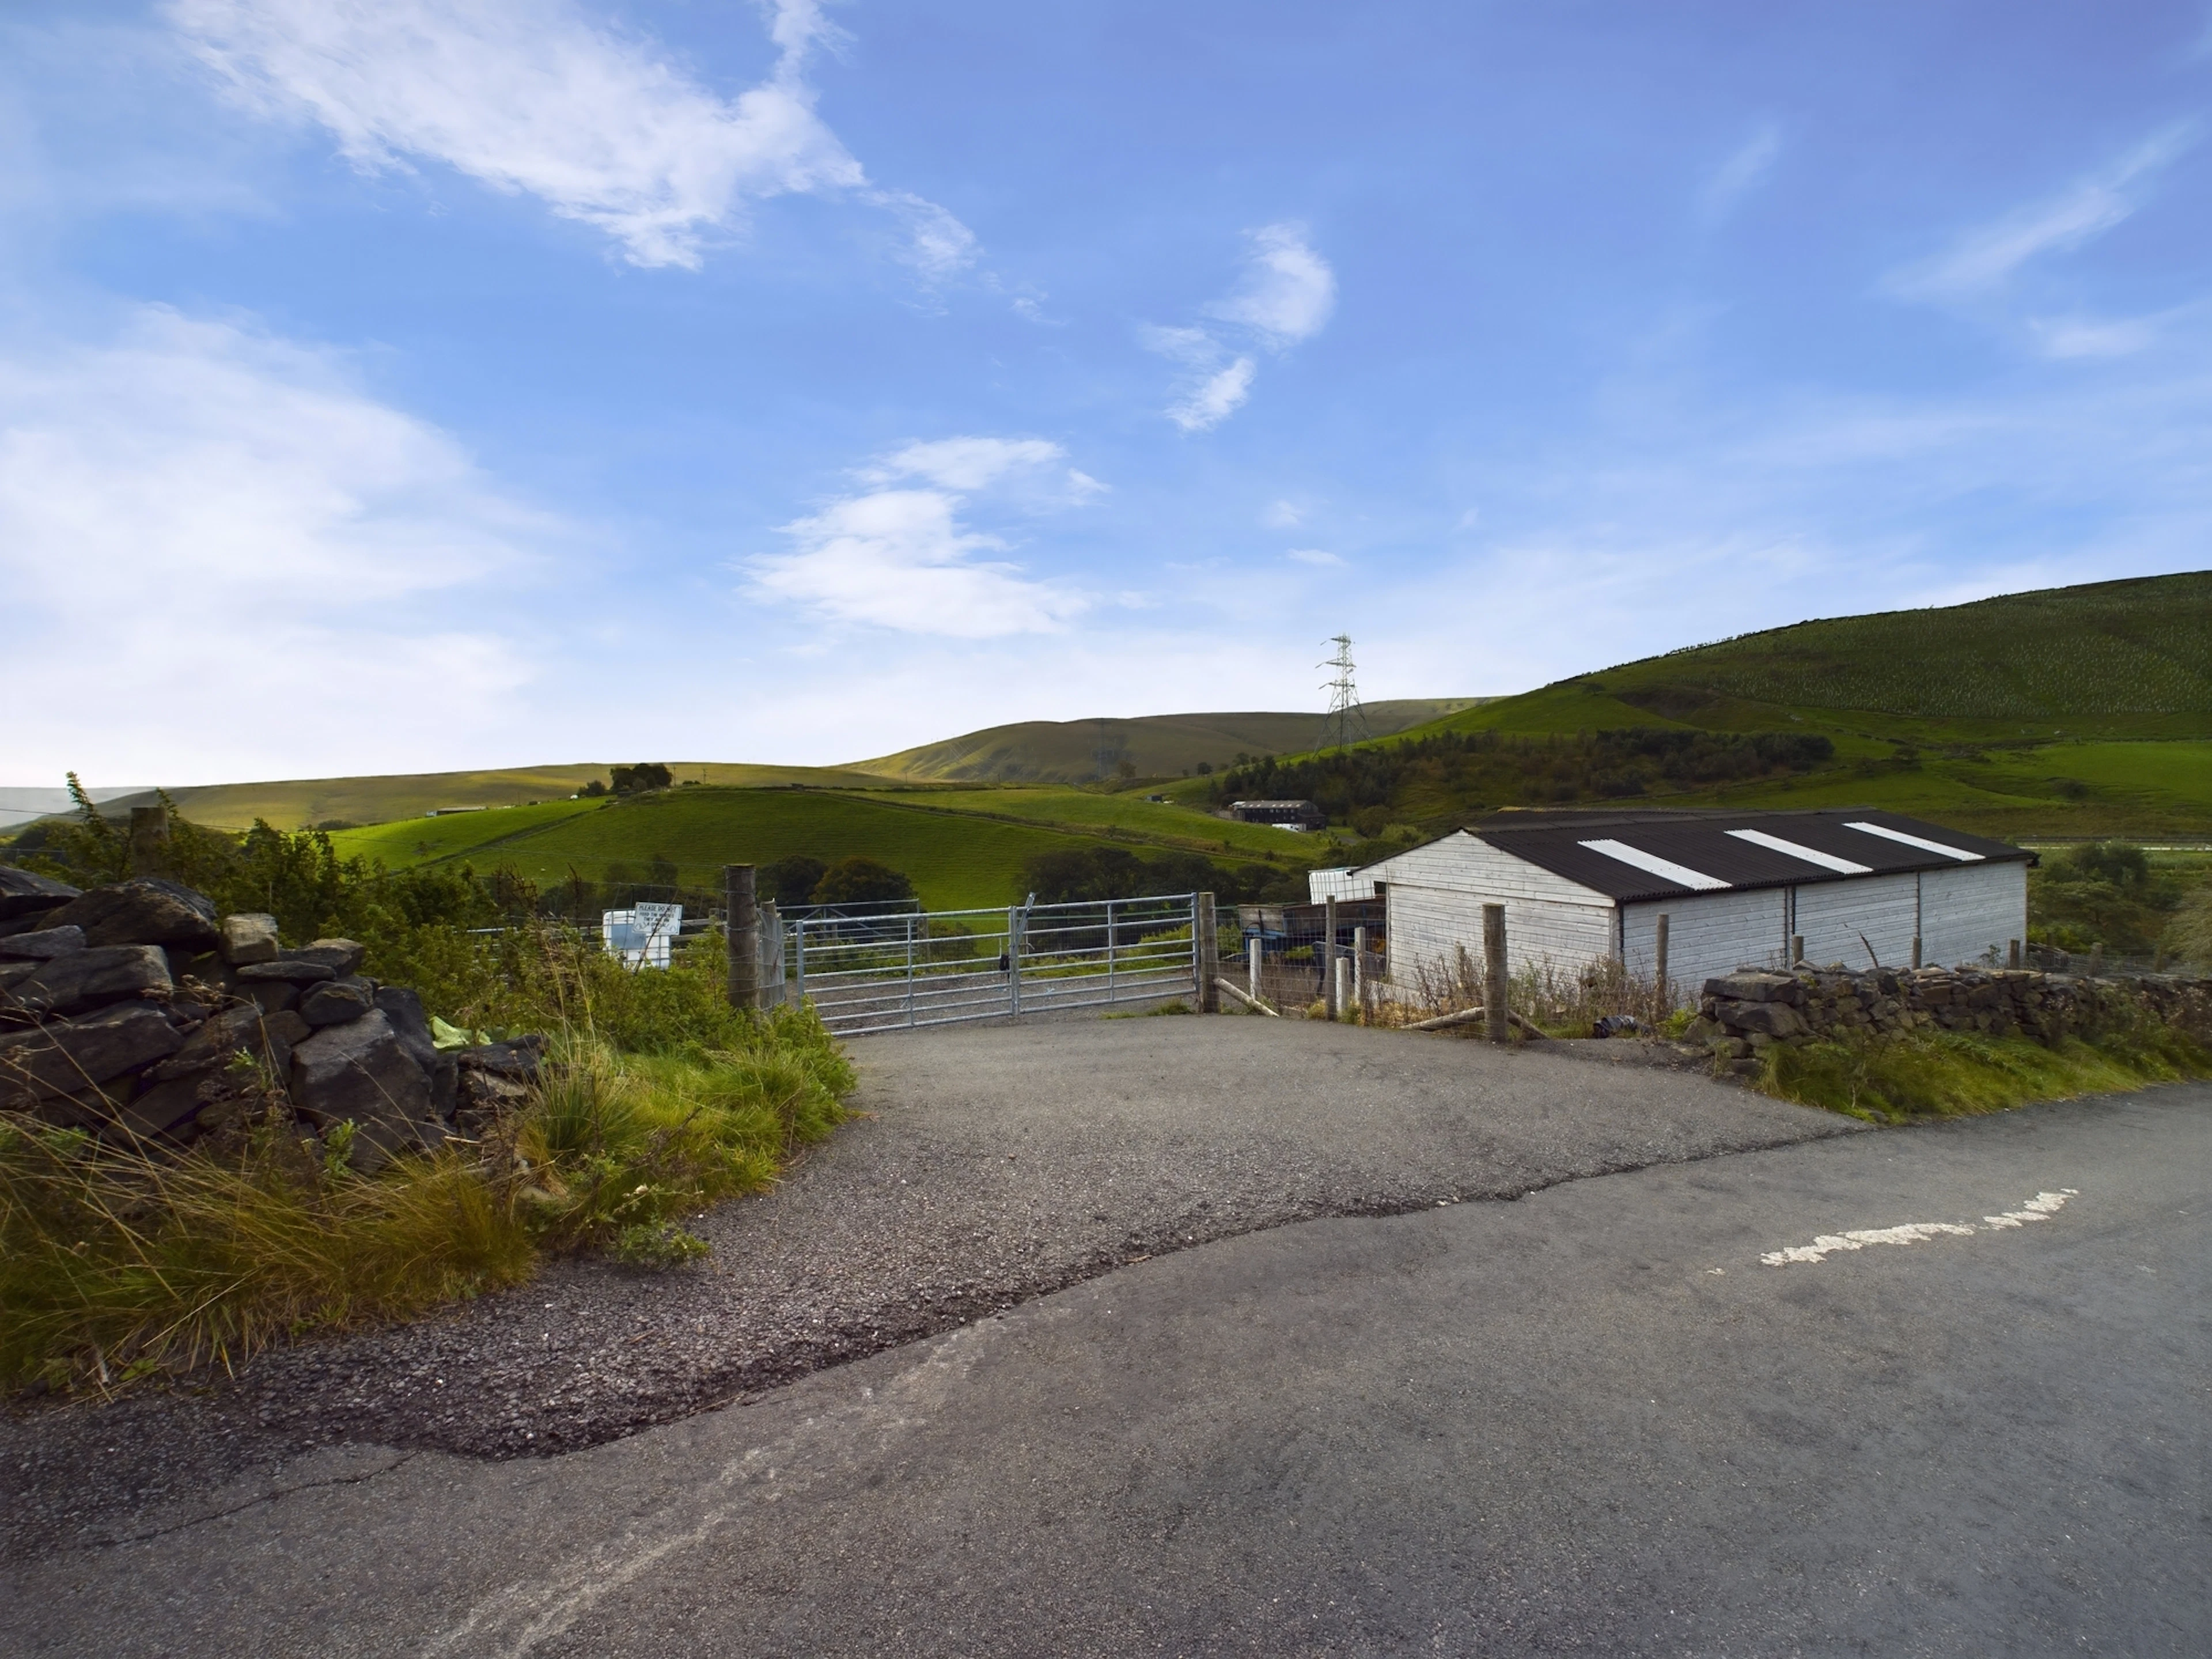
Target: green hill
{"points": [[1155, 745], [296, 803], [2077, 711], [957, 858]]}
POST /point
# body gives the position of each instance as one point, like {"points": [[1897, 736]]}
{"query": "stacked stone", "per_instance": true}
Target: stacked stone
{"points": [[126, 1010], [1749, 1009]]}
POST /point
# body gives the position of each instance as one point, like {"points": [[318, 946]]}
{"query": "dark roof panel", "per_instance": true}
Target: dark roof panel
{"points": [[1700, 842]]}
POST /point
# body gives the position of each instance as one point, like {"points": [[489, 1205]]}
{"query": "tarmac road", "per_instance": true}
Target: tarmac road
{"points": [[1593, 1419]]}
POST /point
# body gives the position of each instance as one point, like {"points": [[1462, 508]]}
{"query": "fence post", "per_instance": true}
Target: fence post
{"points": [[1494, 974], [2012, 954], [1329, 959], [771, 949], [1206, 945], [1256, 952], [1796, 949], [149, 841], [1664, 1002], [799, 948], [1359, 969], [1014, 959], [1112, 984], [1916, 951], [909, 970], [741, 939]]}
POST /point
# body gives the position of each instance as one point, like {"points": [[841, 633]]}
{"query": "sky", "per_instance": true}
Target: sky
{"points": [[392, 386]]}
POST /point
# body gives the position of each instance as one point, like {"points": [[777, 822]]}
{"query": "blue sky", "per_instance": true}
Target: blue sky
{"points": [[396, 385]]}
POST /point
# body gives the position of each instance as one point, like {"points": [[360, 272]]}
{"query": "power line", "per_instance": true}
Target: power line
{"points": [[1346, 723]]}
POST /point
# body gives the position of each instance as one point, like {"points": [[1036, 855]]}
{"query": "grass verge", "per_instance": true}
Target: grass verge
{"points": [[122, 1263], [1934, 1074]]}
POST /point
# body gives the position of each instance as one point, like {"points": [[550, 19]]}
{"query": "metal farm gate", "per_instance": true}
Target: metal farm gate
{"points": [[904, 970]]}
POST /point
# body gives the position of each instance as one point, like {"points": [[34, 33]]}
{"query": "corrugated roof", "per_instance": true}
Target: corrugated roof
{"points": [[1651, 853]]}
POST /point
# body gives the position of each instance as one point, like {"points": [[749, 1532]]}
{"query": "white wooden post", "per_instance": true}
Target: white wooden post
{"points": [[1329, 960], [909, 970], [799, 945], [1014, 960], [1359, 969], [1206, 951], [1340, 984], [1109, 951], [1253, 953]]}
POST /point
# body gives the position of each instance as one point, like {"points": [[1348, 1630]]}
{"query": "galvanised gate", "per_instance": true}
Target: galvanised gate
{"points": [[902, 970]]}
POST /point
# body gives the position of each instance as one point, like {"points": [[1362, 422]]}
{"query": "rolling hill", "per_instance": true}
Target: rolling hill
{"points": [[2067, 712], [1157, 745], [957, 857]]}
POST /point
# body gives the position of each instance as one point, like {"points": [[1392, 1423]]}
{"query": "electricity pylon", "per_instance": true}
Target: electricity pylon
{"points": [[1346, 723]]}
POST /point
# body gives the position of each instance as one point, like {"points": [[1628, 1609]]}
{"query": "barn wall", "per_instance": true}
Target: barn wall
{"points": [[1467, 864], [1831, 914], [1707, 934], [1970, 910], [1428, 925]]}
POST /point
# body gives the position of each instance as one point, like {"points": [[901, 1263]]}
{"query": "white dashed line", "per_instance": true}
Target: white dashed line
{"points": [[2041, 1207]]}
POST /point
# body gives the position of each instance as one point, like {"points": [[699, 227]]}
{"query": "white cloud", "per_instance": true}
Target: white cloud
{"points": [[1288, 289], [1314, 555], [227, 554], [2094, 337], [1742, 172], [1286, 295], [528, 96], [902, 558], [1283, 516], [1215, 399], [1984, 259]]}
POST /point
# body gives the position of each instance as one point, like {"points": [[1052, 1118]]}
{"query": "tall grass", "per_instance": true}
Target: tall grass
{"points": [[1934, 1074], [657, 1099]]}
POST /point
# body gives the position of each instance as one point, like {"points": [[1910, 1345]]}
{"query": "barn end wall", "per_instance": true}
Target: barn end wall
{"points": [[1967, 912], [1435, 894], [1707, 933]]}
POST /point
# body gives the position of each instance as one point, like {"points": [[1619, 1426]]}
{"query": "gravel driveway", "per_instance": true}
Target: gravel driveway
{"points": [[993, 1164]]}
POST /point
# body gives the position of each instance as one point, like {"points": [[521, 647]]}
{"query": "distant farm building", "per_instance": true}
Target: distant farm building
{"points": [[1859, 887], [1283, 814]]}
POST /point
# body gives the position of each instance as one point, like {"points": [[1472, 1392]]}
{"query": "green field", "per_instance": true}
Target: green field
{"points": [[1126, 815], [956, 860], [299, 802]]}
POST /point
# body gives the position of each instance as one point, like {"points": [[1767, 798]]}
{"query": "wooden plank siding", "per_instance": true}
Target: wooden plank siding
{"points": [[1967, 912], [1437, 893], [1832, 914], [1707, 934]]}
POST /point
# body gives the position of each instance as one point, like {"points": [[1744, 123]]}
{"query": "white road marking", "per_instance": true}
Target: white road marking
{"points": [[2041, 1207]]}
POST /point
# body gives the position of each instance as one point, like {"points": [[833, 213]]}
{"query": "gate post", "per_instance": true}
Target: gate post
{"points": [[741, 935], [1494, 974], [1014, 959], [1255, 956], [1205, 947], [1329, 959], [1663, 1003]]}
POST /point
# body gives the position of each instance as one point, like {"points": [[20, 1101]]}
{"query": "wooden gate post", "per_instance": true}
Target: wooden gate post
{"points": [[1494, 974], [1329, 959], [1254, 954], [1206, 944], [741, 934], [1796, 949], [1664, 1001]]}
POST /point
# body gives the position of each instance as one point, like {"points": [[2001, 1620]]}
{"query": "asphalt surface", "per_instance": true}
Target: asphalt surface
{"points": [[1595, 1419], [993, 1165]]}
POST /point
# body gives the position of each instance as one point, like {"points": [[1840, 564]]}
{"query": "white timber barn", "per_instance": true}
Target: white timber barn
{"points": [[1860, 887]]}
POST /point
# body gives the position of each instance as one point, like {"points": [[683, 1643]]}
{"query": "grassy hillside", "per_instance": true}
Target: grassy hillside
{"points": [[1128, 815], [958, 859], [1157, 745], [2072, 712], [290, 805]]}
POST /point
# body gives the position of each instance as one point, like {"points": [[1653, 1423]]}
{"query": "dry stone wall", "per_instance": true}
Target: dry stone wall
{"points": [[137, 1013], [1749, 1009]]}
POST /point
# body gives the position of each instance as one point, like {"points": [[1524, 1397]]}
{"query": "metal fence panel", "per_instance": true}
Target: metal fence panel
{"points": [[905, 971]]}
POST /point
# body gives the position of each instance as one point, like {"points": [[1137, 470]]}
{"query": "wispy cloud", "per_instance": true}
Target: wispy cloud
{"points": [[1283, 516], [899, 554], [1287, 292], [1985, 258], [1315, 555], [1742, 173], [2094, 336], [230, 524], [1284, 295], [531, 97]]}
